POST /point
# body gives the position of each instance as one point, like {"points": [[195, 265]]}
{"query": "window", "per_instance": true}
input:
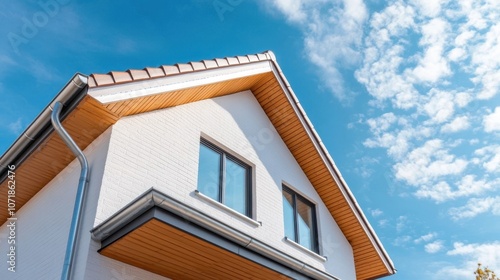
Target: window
{"points": [[300, 220], [224, 178]]}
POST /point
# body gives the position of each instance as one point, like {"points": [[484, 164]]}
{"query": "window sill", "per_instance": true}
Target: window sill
{"points": [[306, 250], [228, 210]]}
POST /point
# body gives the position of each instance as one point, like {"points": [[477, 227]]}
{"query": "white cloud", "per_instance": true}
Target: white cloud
{"points": [[382, 123], [383, 57], [489, 158], [458, 124], [430, 8], [433, 65], [383, 223], [476, 206], [427, 163], [486, 58], [401, 223], [425, 238], [434, 247], [292, 9], [326, 24], [470, 254], [457, 54], [376, 212], [491, 122], [440, 106], [467, 186], [401, 240], [427, 66]]}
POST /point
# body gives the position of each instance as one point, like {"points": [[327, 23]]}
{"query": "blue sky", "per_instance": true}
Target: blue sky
{"points": [[404, 94]]}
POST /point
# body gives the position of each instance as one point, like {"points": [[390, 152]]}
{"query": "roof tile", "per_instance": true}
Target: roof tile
{"points": [[183, 67], [121, 77], [221, 62], [243, 59], [232, 60], [154, 72], [97, 80], [170, 70], [103, 79], [197, 66], [210, 63], [252, 57], [138, 74], [91, 82], [262, 56]]}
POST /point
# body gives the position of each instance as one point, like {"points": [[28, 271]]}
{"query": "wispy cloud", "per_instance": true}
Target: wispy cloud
{"points": [[470, 255], [333, 34], [434, 247], [376, 212], [476, 206], [425, 238]]}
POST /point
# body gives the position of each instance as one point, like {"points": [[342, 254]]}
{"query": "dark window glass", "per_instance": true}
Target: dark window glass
{"points": [[300, 219], [224, 178]]}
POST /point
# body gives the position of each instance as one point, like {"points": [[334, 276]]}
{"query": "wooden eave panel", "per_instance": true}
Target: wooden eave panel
{"points": [[368, 265], [84, 124], [167, 251], [179, 97]]}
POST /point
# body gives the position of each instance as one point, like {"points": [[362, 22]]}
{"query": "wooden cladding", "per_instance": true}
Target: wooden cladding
{"points": [[182, 255]]}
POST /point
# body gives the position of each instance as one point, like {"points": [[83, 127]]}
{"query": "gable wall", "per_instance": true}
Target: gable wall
{"points": [[160, 149], [42, 225]]}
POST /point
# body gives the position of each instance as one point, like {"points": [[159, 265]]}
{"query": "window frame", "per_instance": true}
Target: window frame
{"points": [[224, 156], [315, 234]]}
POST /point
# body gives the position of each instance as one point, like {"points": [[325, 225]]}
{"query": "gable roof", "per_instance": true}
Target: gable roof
{"points": [[94, 103]]}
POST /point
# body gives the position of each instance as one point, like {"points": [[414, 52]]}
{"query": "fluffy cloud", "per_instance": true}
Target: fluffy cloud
{"points": [[411, 85], [434, 247], [326, 24], [489, 158], [425, 164], [491, 122], [457, 124], [428, 67], [470, 255], [476, 206]]}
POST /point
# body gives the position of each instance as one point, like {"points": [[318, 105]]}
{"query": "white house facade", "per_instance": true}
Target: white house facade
{"points": [[205, 170]]}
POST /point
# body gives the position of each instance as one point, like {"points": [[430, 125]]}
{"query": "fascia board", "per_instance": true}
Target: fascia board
{"points": [[327, 159], [137, 89]]}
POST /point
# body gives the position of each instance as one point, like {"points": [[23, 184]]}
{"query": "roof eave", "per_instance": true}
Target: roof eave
{"points": [[334, 169], [70, 95]]}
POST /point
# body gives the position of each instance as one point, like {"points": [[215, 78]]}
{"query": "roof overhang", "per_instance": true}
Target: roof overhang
{"points": [[117, 94], [193, 245]]}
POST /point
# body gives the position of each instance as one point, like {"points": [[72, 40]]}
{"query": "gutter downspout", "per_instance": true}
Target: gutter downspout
{"points": [[76, 220]]}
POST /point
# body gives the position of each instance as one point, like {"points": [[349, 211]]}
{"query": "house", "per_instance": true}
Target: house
{"points": [[203, 170]]}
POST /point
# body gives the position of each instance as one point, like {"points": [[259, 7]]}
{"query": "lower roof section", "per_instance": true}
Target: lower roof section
{"points": [[162, 235]]}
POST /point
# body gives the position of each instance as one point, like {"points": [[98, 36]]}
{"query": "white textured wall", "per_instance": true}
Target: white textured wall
{"points": [[160, 149], [44, 222]]}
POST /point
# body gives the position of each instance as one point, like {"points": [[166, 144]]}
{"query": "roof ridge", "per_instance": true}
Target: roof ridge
{"points": [[131, 75]]}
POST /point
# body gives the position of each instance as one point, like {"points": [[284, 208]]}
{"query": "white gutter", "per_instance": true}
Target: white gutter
{"points": [[41, 127]]}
